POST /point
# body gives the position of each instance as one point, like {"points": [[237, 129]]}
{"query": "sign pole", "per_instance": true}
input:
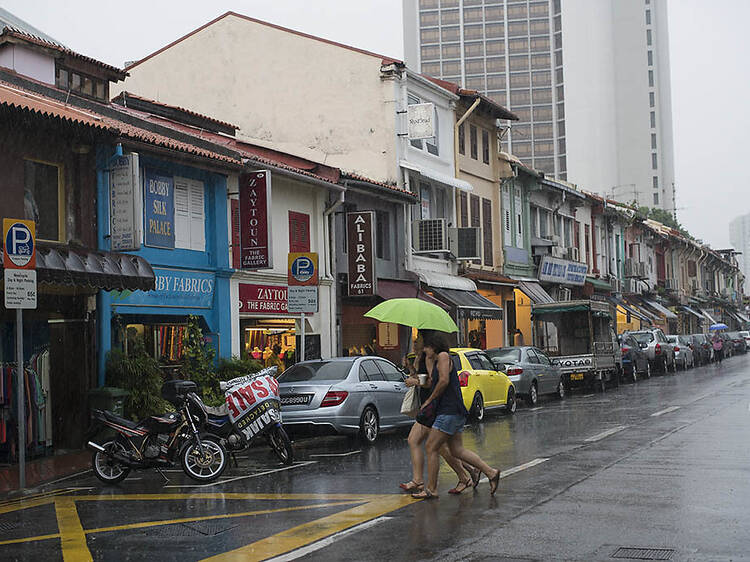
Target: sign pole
{"points": [[302, 337], [21, 406]]}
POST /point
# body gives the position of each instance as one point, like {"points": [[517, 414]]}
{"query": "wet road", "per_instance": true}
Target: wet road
{"points": [[663, 464]]}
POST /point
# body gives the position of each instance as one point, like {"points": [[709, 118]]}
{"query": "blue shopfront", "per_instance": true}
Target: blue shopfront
{"points": [[175, 216]]}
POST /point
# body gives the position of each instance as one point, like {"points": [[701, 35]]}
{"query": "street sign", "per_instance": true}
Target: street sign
{"points": [[303, 269], [20, 245], [20, 289], [302, 300]]}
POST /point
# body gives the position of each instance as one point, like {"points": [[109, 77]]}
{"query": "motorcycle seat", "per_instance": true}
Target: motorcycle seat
{"points": [[114, 418]]}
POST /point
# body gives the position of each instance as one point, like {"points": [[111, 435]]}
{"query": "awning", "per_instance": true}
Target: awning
{"points": [[733, 314], [644, 311], [630, 310], [437, 176], [474, 305], [693, 312], [79, 267], [445, 281], [560, 307], [393, 289], [599, 284], [743, 317], [535, 292], [540, 241], [663, 310], [708, 316]]}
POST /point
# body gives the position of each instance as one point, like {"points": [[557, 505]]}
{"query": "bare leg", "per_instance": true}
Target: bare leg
{"points": [[454, 463], [417, 436], [456, 445], [435, 442]]}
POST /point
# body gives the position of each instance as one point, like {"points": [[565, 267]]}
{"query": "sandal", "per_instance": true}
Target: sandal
{"points": [[455, 491], [475, 474], [411, 486], [425, 495], [494, 482]]}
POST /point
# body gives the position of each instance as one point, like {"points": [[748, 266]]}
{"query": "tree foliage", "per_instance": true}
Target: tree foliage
{"points": [[666, 218]]}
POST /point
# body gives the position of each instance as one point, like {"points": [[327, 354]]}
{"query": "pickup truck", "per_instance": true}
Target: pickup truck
{"points": [[578, 335]]}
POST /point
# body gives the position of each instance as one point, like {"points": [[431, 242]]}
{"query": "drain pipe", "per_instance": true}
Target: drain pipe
{"points": [[330, 235]]}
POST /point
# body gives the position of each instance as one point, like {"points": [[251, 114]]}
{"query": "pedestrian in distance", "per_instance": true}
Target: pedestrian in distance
{"points": [[467, 476], [446, 409], [718, 345]]}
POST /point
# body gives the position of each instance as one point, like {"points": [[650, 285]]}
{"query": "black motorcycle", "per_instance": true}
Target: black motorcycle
{"points": [[161, 441]]}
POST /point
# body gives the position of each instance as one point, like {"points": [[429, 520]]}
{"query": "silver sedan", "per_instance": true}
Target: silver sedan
{"points": [[349, 395], [530, 370]]}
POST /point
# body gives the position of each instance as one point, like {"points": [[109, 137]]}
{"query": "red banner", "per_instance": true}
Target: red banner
{"points": [[255, 210], [263, 299]]}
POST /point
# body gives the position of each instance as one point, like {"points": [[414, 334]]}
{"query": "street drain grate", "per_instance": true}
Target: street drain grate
{"points": [[636, 553], [9, 526]]}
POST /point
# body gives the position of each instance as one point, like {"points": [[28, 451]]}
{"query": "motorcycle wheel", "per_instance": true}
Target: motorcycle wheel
{"points": [[206, 466], [106, 468], [281, 444]]}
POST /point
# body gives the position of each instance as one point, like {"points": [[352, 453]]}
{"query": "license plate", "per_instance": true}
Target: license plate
{"points": [[576, 377], [295, 399]]}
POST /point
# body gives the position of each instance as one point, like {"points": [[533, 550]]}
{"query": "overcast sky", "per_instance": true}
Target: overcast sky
{"points": [[708, 47]]}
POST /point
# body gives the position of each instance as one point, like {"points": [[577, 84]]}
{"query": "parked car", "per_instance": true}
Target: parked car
{"points": [[530, 371], [482, 386], [702, 348], [738, 341], [347, 395], [634, 359], [658, 350], [745, 334], [683, 351]]}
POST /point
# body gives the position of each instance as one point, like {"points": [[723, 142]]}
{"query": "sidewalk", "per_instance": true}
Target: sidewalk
{"points": [[43, 470]]}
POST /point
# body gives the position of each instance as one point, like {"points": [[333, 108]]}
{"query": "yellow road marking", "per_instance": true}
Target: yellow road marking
{"points": [[31, 539], [72, 537], [302, 535]]}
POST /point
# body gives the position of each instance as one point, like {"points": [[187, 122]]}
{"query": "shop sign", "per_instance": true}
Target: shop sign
{"points": [[263, 299], [255, 212], [125, 203], [174, 288], [388, 335], [556, 270], [303, 269], [360, 244], [159, 211], [421, 121], [302, 300]]}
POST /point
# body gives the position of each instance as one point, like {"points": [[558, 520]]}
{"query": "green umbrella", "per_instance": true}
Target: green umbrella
{"points": [[415, 313]]}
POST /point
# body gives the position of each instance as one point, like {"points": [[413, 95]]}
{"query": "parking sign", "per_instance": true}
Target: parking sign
{"points": [[20, 245], [303, 269]]}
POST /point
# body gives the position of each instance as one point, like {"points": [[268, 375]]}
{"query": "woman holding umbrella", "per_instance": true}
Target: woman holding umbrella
{"points": [[717, 341]]}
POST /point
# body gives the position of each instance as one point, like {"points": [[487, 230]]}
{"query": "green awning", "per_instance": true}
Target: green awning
{"points": [[562, 307], [599, 284]]}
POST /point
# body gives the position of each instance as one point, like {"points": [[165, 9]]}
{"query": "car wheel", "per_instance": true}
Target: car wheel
{"points": [[664, 365], [369, 425], [648, 369], [533, 396], [561, 389], [511, 404], [673, 368], [477, 408], [601, 385]]}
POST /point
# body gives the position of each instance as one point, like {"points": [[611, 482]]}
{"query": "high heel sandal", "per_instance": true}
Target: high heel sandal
{"points": [[411, 486], [494, 483], [455, 491]]}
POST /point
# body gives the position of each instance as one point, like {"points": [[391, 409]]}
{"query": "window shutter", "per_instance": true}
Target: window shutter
{"points": [[487, 230], [236, 234], [507, 229], [299, 232], [463, 201], [181, 213], [476, 220], [519, 218], [197, 216]]}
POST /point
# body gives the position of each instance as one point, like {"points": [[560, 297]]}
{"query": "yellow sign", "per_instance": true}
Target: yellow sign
{"points": [[303, 269]]}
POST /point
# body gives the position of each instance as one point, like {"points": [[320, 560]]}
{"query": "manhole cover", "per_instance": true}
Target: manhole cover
{"points": [[637, 553], [174, 530]]}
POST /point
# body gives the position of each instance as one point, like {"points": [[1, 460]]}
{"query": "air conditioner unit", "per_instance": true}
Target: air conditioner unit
{"points": [[563, 294], [695, 285], [616, 285], [558, 252], [640, 270], [575, 254], [670, 284], [465, 243], [571, 254], [429, 235], [630, 286], [555, 240]]}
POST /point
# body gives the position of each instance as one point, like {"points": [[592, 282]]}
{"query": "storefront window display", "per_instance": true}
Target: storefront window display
{"points": [[270, 341]]}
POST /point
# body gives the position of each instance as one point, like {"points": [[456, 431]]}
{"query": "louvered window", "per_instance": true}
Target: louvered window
{"points": [[189, 214], [476, 220], [236, 234], [487, 230], [299, 232], [463, 202]]}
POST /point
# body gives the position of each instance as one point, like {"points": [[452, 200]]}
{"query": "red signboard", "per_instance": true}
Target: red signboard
{"points": [[255, 211], [360, 238], [263, 299]]}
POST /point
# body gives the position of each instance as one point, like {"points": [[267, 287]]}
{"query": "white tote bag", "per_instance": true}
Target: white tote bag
{"points": [[410, 404]]}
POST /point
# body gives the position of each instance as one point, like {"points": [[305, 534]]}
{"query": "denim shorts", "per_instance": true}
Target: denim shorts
{"points": [[450, 423]]}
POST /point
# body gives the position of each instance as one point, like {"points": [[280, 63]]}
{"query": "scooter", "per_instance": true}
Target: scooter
{"points": [[251, 409]]}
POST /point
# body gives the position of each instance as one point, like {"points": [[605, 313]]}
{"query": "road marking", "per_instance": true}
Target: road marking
{"points": [[217, 483], [304, 551], [665, 411], [519, 468], [534, 409], [72, 536], [66, 477], [603, 434], [587, 395], [337, 454]]}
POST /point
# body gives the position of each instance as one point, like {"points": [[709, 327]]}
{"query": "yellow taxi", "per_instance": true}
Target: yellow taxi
{"points": [[482, 386]]}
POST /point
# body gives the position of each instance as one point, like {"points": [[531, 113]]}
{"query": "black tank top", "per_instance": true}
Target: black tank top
{"points": [[450, 402]]}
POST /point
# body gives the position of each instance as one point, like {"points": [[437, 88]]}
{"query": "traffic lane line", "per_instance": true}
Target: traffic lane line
{"points": [[665, 411], [235, 479], [337, 454], [604, 434], [304, 551], [519, 468]]}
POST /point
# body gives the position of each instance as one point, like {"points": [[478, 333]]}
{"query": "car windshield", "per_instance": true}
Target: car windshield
{"points": [[317, 371], [673, 339], [643, 337], [505, 355]]}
